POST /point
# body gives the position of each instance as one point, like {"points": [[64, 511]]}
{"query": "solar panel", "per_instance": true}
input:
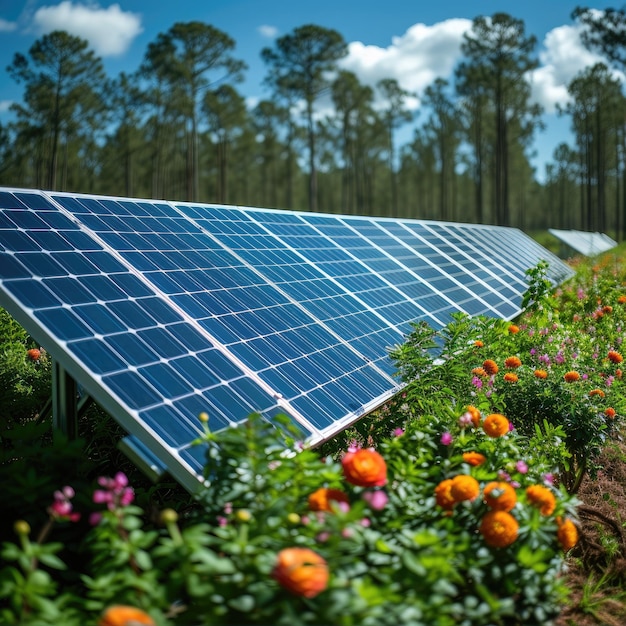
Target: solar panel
{"points": [[162, 310], [586, 243]]}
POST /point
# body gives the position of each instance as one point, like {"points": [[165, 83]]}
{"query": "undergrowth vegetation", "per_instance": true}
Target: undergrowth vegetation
{"points": [[461, 502]]}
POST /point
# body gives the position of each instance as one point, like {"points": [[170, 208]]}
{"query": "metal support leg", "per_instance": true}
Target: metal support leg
{"points": [[64, 402]]}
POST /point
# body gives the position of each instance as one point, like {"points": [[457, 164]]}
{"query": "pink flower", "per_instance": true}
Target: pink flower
{"points": [[115, 493], [446, 439], [61, 507], [376, 499], [548, 479], [521, 467], [477, 382], [465, 420], [398, 432]]}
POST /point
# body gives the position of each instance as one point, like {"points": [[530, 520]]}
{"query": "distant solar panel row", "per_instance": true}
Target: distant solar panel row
{"points": [[586, 243], [163, 310]]}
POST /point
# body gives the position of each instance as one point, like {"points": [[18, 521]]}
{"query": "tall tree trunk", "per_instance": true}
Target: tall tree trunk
{"points": [[312, 168]]}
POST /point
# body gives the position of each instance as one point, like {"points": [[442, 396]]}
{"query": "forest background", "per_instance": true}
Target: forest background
{"points": [[178, 128]]}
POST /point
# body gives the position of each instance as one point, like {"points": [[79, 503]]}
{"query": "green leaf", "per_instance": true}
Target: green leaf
{"points": [[51, 560], [245, 603]]}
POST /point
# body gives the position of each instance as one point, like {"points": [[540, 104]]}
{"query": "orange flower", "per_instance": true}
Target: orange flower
{"points": [[301, 571], [120, 615], [474, 458], [512, 362], [443, 496], [567, 534], [475, 413], [479, 344], [510, 377], [618, 373], [571, 377], [480, 372], [542, 498], [607, 308], [615, 357], [513, 329], [541, 374], [622, 299], [610, 412], [365, 468], [34, 354], [597, 392], [496, 425], [491, 367], [464, 487], [499, 496], [321, 499], [499, 529]]}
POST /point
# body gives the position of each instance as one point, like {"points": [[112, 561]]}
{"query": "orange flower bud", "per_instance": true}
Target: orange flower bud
{"points": [[542, 498], [34, 354], [496, 425], [499, 529], [512, 362], [301, 571], [491, 367], [443, 496], [365, 468], [474, 458], [541, 374], [571, 377], [567, 534], [464, 488], [120, 615], [321, 499], [510, 377], [499, 496], [513, 329], [615, 357], [475, 413]]}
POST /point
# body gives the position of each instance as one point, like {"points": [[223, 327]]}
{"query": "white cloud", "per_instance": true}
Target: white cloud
{"points": [[267, 31], [415, 59], [563, 56], [109, 31], [7, 27], [5, 105]]}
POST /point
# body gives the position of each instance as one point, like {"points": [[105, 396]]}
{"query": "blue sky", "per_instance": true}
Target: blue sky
{"points": [[413, 42]]}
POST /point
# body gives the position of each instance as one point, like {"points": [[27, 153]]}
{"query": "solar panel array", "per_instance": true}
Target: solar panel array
{"points": [[586, 243], [165, 310]]}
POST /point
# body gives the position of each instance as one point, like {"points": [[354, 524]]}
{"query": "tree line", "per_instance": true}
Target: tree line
{"points": [[178, 128]]}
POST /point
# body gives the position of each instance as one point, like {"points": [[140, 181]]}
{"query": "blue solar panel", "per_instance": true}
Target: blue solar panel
{"points": [[162, 311]]}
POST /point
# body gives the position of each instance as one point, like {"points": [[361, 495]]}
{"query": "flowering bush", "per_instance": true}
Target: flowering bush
{"points": [[556, 377], [416, 531]]}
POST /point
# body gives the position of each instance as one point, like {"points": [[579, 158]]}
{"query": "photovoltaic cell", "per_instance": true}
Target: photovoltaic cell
{"points": [[164, 310]]}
